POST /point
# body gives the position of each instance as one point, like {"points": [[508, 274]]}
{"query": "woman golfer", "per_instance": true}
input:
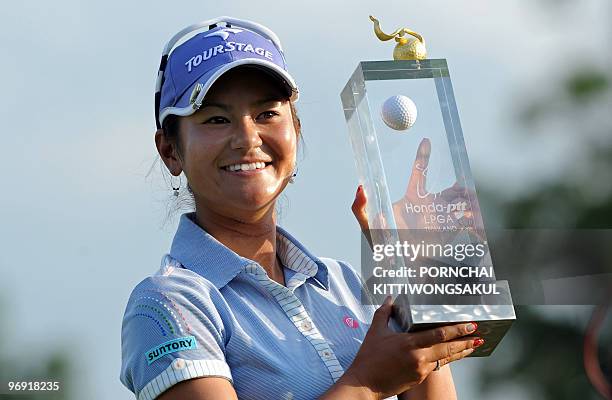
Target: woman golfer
{"points": [[240, 308]]}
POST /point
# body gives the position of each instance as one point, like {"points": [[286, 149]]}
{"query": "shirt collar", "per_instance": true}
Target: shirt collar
{"points": [[200, 252]]}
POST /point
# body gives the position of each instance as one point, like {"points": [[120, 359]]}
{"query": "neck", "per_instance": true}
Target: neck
{"points": [[253, 238]]}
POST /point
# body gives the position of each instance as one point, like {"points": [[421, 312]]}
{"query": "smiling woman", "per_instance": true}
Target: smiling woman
{"points": [[239, 307]]}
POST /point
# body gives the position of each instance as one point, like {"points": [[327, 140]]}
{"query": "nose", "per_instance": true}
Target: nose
{"points": [[246, 134]]}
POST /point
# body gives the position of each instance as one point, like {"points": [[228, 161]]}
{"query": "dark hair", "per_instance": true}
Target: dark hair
{"points": [[170, 128]]}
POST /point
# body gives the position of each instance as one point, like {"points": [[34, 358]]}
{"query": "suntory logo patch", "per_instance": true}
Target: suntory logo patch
{"points": [[172, 346]]}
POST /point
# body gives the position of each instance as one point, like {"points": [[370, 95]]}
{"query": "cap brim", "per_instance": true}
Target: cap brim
{"points": [[186, 105]]}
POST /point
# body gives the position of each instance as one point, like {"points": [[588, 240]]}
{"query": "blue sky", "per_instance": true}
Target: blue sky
{"points": [[82, 224]]}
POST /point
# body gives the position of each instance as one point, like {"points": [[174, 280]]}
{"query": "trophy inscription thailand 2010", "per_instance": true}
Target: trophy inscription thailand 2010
{"points": [[427, 245]]}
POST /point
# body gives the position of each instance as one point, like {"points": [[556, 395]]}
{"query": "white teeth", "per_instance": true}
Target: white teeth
{"points": [[246, 167]]}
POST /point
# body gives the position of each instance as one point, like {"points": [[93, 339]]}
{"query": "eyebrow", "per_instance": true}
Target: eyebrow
{"points": [[226, 107]]}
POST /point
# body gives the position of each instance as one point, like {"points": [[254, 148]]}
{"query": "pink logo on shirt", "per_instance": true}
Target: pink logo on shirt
{"points": [[350, 322]]}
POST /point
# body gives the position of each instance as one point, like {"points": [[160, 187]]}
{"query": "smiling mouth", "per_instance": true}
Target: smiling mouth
{"points": [[246, 167]]}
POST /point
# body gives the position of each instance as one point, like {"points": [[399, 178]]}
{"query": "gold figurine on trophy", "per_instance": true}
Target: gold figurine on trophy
{"points": [[405, 49]]}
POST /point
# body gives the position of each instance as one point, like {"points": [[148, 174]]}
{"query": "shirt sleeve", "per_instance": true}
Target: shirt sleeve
{"points": [[173, 330]]}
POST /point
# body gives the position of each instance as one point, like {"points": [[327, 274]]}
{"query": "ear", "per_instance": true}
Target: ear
{"points": [[168, 153]]}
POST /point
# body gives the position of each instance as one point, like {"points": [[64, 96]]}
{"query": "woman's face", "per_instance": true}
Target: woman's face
{"points": [[238, 149]]}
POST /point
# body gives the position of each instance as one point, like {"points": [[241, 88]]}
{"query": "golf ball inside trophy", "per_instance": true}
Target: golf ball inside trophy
{"points": [[399, 112]]}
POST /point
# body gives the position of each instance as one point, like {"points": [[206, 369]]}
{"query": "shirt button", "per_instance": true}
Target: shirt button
{"points": [[326, 354], [306, 325], [179, 363]]}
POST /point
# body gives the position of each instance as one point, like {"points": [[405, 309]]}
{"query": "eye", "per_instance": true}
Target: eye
{"points": [[216, 120], [268, 115]]}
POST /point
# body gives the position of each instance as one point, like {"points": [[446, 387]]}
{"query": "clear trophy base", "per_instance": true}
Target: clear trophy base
{"points": [[493, 320]]}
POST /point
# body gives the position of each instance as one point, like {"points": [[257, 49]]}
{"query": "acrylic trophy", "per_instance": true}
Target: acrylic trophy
{"points": [[411, 159]]}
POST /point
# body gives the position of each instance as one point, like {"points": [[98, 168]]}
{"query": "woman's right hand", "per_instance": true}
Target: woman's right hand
{"points": [[389, 363]]}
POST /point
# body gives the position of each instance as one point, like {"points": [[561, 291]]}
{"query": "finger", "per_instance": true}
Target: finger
{"points": [[454, 357], [449, 349], [380, 320], [458, 198], [442, 334], [359, 211], [419, 168], [359, 208], [453, 192]]}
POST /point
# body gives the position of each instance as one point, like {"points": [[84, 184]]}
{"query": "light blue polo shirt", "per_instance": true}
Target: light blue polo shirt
{"points": [[210, 312]]}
